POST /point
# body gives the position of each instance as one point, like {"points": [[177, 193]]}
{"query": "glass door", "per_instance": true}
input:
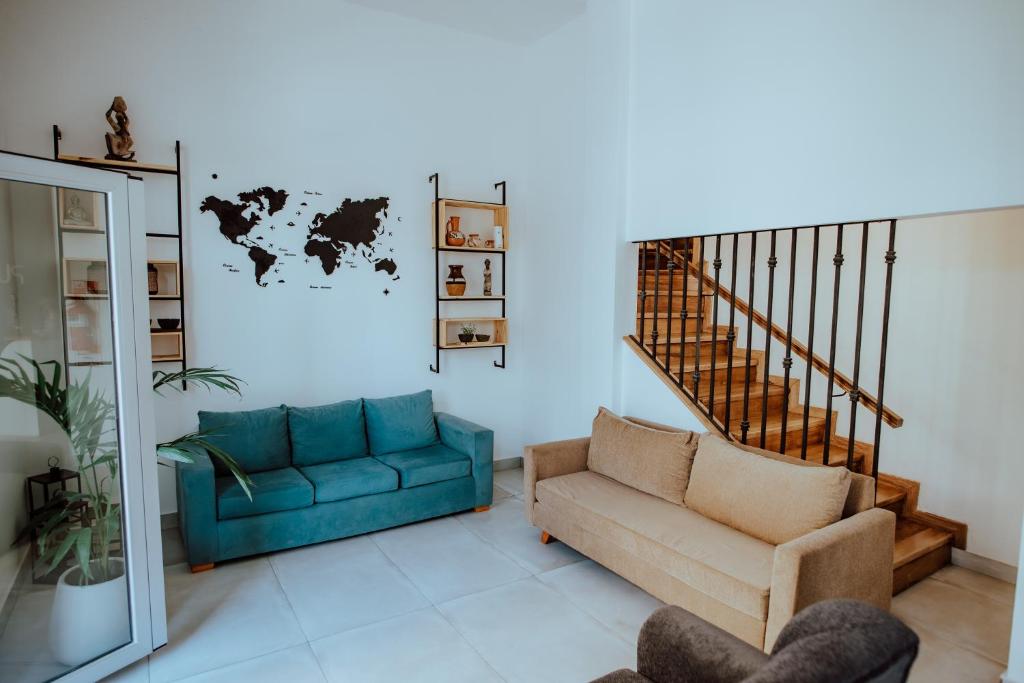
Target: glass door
{"points": [[81, 591]]}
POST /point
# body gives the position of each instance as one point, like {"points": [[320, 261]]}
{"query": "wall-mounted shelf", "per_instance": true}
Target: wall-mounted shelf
{"points": [[498, 216], [168, 279], [171, 283], [495, 328], [85, 278], [168, 346], [446, 329]]}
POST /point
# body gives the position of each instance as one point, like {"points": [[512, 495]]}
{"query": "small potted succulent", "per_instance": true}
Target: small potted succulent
{"points": [[467, 332]]}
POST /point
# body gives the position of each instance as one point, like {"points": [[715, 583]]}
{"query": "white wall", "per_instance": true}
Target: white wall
{"points": [[751, 114], [335, 98]]}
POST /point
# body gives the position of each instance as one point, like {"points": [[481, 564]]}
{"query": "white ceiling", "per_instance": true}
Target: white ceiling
{"points": [[515, 21]]}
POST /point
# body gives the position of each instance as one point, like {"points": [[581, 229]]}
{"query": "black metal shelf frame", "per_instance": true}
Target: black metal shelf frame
{"points": [[438, 299], [57, 137]]}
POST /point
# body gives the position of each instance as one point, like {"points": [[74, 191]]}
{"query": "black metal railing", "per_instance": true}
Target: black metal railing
{"points": [[765, 395]]}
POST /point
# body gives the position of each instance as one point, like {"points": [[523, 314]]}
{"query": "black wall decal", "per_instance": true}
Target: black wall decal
{"points": [[349, 234]]}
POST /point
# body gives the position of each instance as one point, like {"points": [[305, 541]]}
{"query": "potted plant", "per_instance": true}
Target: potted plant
{"points": [[467, 332], [90, 608]]}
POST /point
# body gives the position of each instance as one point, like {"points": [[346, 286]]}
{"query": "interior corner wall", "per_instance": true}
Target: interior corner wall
{"points": [[749, 114], [336, 98]]}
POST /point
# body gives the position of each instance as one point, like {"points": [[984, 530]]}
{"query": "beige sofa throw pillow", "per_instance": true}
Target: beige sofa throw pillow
{"points": [[651, 460], [771, 500]]}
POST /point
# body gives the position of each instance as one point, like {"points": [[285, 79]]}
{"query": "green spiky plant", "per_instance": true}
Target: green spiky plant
{"points": [[87, 418]]}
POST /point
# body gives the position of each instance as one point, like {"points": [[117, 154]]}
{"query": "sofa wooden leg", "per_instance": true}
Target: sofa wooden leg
{"points": [[482, 508], [546, 538], [196, 568]]}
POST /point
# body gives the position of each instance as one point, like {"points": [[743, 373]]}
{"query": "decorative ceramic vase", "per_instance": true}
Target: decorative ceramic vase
{"points": [[499, 237], [88, 621], [154, 279], [456, 282], [474, 240], [452, 236]]}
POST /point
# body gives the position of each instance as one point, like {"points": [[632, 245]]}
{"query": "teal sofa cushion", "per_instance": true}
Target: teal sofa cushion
{"points": [[257, 439], [272, 491], [349, 479], [400, 423], [428, 465], [327, 433]]}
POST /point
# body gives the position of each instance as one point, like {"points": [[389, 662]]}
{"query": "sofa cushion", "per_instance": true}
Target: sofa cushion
{"points": [[350, 479], [257, 439], [327, 433], [651, 460], [400, 423], [723, 563], [772, 500], [272, 491], [427, 465]]}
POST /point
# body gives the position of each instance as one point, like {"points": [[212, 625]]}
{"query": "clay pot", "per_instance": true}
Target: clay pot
{"points": [[483, 337], [465, 338], [452, 236], [456, 282]]}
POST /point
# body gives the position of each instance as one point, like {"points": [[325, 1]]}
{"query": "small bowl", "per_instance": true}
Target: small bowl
{"points": [[168, 323], [483, 337]]}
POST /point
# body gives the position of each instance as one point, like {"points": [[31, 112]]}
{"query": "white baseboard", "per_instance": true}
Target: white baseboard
{"points": [[513, 463], [983, 565]]}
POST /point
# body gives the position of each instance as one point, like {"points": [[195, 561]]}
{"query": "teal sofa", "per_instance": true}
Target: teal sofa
{"points": [[329, 472]]}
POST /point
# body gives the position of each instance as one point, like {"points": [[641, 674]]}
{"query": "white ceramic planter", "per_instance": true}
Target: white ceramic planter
{"points": [[88, 621]]}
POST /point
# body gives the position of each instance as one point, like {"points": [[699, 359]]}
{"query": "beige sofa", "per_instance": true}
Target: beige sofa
{"points": [[745, 585]]}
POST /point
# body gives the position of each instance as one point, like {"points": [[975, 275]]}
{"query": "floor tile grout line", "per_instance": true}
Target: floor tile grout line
{"points": [[577, 606], [319, 664], [973, 592], [959, 646], [434, 606]]}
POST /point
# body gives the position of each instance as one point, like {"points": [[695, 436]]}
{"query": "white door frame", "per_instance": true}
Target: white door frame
{"points": [[129, 307]]}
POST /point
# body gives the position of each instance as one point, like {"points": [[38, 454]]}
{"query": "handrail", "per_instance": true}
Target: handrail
{"points": [[890, 417]]}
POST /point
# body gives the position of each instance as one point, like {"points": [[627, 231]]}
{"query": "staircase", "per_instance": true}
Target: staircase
{"points": [[687, 333]]}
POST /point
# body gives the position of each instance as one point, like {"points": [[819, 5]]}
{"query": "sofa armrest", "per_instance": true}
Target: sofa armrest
{"points": [[552, 459], [478, 443], [849, 559], [675, 645], [197, 508]]}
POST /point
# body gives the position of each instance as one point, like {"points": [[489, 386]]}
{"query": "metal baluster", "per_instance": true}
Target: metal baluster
{"points": [[671, 269], [730, 336], [717, 265], [657, 287], [745, 422], [837, 261], [700, 324], [643, 295], [787, 362], [772, 262], [685, 313], [890, 259], [810, 343], [855, 392]]}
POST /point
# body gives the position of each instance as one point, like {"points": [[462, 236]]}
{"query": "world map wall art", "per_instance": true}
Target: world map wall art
{"points": [[282, 237]]}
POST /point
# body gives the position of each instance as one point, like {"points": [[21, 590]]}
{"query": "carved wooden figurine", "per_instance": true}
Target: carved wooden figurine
{"points": [[119, 143], [487, 277]]}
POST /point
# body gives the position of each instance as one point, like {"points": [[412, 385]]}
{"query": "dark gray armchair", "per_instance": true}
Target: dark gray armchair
{"points": [[836, 641]]}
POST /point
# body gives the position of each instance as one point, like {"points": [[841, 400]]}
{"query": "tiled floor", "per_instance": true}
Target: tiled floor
{"points": [[475, 597]]}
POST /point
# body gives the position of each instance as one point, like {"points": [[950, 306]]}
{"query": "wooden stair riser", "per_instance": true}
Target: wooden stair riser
{"points": [[721, 346], [692, 323], [773, 438], [660, 280], [661, 303], [755, 407]]}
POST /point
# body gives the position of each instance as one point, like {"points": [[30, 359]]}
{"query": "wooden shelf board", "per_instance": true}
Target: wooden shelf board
{"points": [[164, 297], [167, 359], [85, 297], [468, 204], [126, 165], [472, 345], [482, 250], [472, 298]]}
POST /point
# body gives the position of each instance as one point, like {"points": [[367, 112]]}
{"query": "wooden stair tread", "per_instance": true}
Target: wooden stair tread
{"points": [[918, 543], [887, 494], [756, 390], [838, 448], [739, 360], [705, 336]]}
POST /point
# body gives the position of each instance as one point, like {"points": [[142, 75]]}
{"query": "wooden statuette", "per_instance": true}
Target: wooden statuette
{"points": [[119, 143]]}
